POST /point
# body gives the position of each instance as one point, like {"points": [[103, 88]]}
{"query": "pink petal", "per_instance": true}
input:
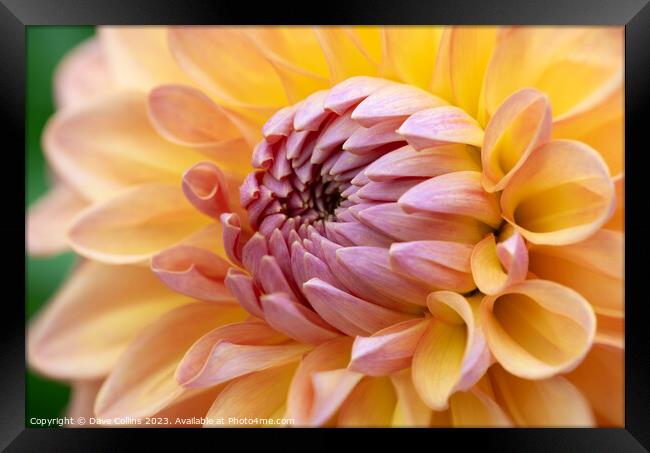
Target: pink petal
{"points": [[349, 92], [295, 320], [349, 314], [387, 351], [192, 271], [387, 190], [366, 139], [243, 288], [205, 187], [311, 113], [279, 125], [441, 126]]}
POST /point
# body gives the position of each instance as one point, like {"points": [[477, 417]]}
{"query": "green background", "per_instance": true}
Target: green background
{"points": [[45, 48]]}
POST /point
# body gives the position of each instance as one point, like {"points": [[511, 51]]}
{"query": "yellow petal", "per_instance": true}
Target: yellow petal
{"points": [[497, 266], [135, 224], [109, 143], [371, 403], [250, 80], [345, 54], [553, 402], [93, 318], [562, 194], [82, 74], [574, 67], [441, 81], [410, 53], [139, 57], [410, 410], [475, 409], [593, 267], [470, 52], [49, 218], [600, 378], [520, 124], [142, 382], [257, 395], [617, 221], [447, 350], [538, 328]]}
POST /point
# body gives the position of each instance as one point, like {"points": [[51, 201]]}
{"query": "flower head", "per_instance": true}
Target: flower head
{"points": [[419, 241]]}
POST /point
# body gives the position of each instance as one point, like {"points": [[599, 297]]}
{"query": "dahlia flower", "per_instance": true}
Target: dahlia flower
{"points": [[414, 226]]}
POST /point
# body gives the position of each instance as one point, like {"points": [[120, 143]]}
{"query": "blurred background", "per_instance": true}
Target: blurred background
{"points": [[45, 48]]}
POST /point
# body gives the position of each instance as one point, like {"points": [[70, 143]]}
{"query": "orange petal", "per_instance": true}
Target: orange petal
{"points": [[475, 409], [553, 402], [82, 74], [234, 350], [49, 218], [409, 53], [450, 348], [371, 403], [497, 266], [135, 224], [600, 378], [520, 124], [593, 267], [204, 51], [142, 382], [388, 350], [139, 57], [306, 403], [538, 328], [104, 145], [562, 194], [577, 68], [257, 395], [617, 221], [93, 318], [410, 410]]}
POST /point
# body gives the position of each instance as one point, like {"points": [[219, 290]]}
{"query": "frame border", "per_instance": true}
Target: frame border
{"points": [[15, 15]]}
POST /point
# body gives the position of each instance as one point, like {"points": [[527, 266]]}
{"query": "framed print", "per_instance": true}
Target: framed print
{"points": [[413, 217]]}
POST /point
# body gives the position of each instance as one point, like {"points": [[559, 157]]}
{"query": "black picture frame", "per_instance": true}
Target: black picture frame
{"points": [[16, 15]]}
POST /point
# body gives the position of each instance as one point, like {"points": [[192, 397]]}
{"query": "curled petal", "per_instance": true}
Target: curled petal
{"points": [[234, 350], [450, 348], [192, 271], [349, 314], [388, 350], [497, 266], [459, 193], [371, 403], [135, 224], [204, 186], [441, 126], [295, 320], [185, 115], [74, 339], [49, 218], [410, 410], [562, 194], [593, 267], [521, 124], [315, 395], [232, 237], [142, 382], [542, 403], [439, 264], [476, 409], [351, 91], [257, 395], [521, 326]]}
